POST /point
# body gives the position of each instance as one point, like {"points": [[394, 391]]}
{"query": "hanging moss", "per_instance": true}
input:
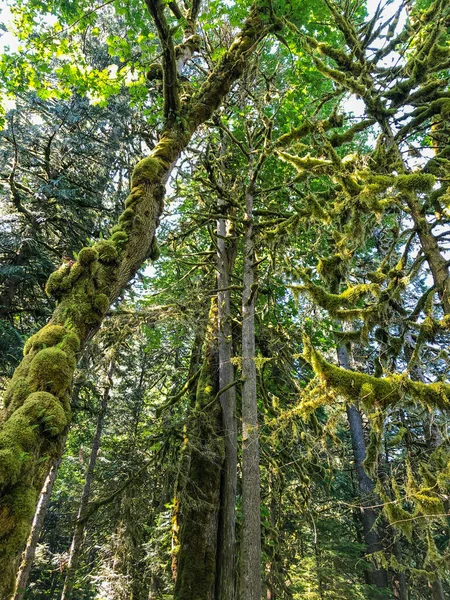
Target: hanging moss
{"points": [[382, 391], [334, 302], [416, 182]]}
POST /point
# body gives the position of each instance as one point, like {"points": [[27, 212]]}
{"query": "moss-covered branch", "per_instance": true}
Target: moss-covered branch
{"points": [[375, 391]]}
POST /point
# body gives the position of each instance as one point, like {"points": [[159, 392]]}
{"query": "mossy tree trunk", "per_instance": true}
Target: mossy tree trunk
{"points": [[199, 498], [250, 566], [37, 404], [80, 523]]}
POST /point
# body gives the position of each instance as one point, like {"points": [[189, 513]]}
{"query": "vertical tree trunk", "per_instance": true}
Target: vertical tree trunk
{"points": [[225, 584], [36, 528], [75, 547], [250, 568], [199, 500], [367, 514]]}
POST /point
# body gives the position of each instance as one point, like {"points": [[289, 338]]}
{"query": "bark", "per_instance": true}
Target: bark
{"points": [[225, 585], [80, 523], [36, 528], [400, 587], [368, 515], [250, 568], [41, 384], [199, 502], [437, 590]]}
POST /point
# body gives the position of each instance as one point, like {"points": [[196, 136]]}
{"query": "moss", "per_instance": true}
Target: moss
{"points": [[55, 284], [101, 302], [70, 344], [16, 393], [87, 256], [127, 216], [417, 182], [155, 72], [147, 171], [51, 371], [50, 335], [333, 302], [374, 390], [119, 238], [106, 251]]}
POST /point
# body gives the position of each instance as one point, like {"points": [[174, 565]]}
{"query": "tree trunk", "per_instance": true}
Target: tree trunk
{"points": [[80, 523], [36, 528], [84, 290], [199, 499], [250, 568], [367, 515], [225, 584]]}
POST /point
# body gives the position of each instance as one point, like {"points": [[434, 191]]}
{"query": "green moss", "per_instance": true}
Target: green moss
{"points": [[56, 282], [86, 256], [119, 238], [417, 182], [51, 371], [127, 216], [16, 393], [106, 251], [333, 302], [101, 302], [147, 171], [50, 335], [155, 72], [374, 390], [155, 251]]}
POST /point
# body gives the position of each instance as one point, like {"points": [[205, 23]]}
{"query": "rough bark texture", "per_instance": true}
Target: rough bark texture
{"points": [[250, 567], [75, 546], [36, 528], [199, 501], [368, 516], [37, 410], [227, 537]]}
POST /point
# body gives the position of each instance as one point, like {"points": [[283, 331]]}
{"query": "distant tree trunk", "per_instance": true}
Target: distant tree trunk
{"points": [[225, 581], [80, 524], [250, 567], [36, 528], [433, 440], [368, 515], [198, 502]]}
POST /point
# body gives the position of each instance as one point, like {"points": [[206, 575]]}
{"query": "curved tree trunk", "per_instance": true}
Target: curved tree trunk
{"points": [[37, 410]]}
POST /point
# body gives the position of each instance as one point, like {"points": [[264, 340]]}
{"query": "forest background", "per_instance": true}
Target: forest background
{"points": [[255, 403]]}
